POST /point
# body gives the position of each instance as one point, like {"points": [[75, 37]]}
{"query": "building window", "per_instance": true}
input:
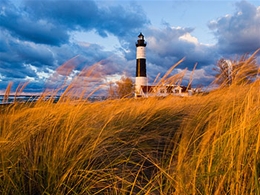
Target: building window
{"points": [[161, 90]]}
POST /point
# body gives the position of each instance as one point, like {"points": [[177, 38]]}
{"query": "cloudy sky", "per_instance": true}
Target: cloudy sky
{"points": [[48, 42]]}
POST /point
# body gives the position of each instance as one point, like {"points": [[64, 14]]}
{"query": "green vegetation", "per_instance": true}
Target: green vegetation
{"points": [[204, 144]]}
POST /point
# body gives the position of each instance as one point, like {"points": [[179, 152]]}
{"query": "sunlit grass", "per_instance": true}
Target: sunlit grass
{"points": [[204, 144], [198, 145]]}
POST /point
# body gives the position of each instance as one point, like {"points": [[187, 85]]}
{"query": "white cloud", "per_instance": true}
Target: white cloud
{"points": [[1, 77], [29, 78], [258, 12], [187, 37]]}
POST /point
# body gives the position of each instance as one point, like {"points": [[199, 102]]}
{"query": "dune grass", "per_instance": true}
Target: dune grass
{"points": [[205, 144]]}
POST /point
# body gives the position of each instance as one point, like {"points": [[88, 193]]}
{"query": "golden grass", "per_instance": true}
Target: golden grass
{"points": [[206, 144]]}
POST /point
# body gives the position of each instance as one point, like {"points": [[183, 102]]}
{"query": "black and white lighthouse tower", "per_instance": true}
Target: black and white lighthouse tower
{"points": [[140, 79]]}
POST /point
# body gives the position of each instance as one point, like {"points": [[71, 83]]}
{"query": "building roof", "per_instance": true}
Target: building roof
{"points": [[147, 88], [140, 35], [169, 88]]}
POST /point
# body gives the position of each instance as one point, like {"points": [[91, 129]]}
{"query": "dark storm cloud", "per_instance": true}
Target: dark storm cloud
{"points": [[24, 26], [16, 71], [35, 36], [35, 87], [66, 14], [114, 19], [238, 33], [48, 22], [15, 56]]}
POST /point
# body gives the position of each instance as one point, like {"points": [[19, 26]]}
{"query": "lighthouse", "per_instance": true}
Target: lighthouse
{"points": [[140, 77]]}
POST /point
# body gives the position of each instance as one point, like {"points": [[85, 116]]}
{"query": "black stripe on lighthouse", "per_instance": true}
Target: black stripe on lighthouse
{"points": [[140, 67]]}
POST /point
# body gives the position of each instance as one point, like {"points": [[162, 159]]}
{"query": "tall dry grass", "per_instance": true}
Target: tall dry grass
{"points": [[204, 144], [199, 145]]}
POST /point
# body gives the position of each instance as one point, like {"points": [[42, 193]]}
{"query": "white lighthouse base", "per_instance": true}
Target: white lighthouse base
{"points": [[140, 81]]}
